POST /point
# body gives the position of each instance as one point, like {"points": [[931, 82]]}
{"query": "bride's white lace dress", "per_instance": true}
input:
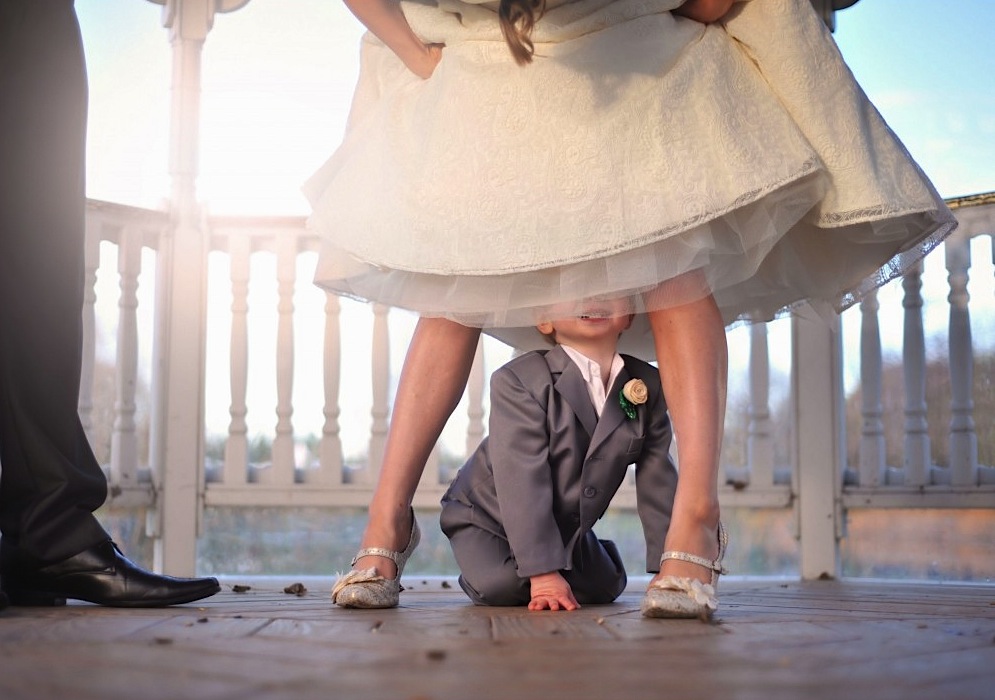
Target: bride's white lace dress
{"points": [[637, 146]]}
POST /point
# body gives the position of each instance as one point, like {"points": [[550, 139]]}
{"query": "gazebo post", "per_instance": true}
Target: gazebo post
{"points": [[816, 370], [177, 439]]}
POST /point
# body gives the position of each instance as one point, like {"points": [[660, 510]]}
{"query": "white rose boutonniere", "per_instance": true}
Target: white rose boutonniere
{"points": [[633, 394]]}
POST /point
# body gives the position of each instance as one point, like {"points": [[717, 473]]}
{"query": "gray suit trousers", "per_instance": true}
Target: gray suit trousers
{"points": [[490, 575]]}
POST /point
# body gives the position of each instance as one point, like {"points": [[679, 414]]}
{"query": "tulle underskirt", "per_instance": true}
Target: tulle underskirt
{"points": [[751, 280]]}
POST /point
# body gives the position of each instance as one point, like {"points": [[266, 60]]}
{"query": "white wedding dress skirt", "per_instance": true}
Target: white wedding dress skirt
{"points": [[637, 147]]}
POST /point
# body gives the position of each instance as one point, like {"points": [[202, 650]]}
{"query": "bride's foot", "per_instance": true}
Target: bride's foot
{"points": [[694, 537], [390, 533], [375, 578], [685, 586]]}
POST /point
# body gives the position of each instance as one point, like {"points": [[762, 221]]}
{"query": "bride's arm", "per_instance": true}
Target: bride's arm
{"points": [[386, 20]]}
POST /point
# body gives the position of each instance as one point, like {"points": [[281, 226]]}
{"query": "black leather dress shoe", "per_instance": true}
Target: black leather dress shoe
{"points": [[101, 575]]}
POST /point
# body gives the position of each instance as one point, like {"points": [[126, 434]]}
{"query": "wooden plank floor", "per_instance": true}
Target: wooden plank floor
{"points": [[770, 640]]}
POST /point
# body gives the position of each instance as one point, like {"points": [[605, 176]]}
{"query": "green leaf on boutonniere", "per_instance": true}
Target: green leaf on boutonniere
{"points": [[628, 407]]}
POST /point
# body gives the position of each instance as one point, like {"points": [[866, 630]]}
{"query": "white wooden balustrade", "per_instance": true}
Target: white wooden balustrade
{"points": [[129, 230], [816, 483], [960, 481]]}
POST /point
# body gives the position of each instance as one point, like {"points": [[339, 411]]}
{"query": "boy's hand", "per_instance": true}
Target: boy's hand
{"points": [[551, 592]]}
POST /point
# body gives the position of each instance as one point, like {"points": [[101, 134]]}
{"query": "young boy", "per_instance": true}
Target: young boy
{"points": [[562, 434]]}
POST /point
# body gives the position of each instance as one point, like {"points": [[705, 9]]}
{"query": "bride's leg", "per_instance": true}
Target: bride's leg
{"points": [[435, 372], [691, 348]]}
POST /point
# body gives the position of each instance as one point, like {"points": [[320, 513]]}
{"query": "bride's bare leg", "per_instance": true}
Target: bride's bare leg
{"points": [[432, 381], [691, 348]]}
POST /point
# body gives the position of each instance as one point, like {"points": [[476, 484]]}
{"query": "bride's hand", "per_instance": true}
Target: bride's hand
{"points": [[387, 21], [423, 64], [705, 11]]}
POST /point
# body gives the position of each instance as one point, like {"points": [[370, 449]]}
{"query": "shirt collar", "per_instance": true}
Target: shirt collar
{"points": [[591, 372]]}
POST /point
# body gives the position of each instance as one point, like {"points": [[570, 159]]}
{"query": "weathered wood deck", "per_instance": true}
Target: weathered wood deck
{"points": [[770, 640]]}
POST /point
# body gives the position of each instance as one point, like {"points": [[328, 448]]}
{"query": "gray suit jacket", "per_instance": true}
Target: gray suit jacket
{"points": [[549, 466]]}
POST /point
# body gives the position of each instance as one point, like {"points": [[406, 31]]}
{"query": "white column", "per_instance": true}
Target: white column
{"points": [[91, 261], [963, 439], [124, 442], [381, 393], [872, 444], [430, 474], [759, 438], [475, 400], [917, 447], [282, 469], [818, 444], [177, 439], [178, 355], [330, 451], [237, 444]]}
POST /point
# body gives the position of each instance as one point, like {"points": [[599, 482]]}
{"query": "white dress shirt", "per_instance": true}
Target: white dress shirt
{"points": [[591, 371]]}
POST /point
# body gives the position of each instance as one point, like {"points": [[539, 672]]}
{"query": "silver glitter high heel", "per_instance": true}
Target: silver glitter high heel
{"points": [[682, 597], [365, 588]]}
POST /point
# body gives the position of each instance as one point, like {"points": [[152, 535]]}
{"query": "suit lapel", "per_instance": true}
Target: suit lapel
{"points": [[570, 385], [612, 414]]}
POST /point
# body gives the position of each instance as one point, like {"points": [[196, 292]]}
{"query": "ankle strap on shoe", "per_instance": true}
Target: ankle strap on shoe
{"points": [[375, 552], [715, 565]]}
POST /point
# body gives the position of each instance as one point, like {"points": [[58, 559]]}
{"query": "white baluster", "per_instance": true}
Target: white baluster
{"points": [[872, 443], [759, 440], [381, 389], [475, 401], [91, 261], [124, 443], [917, 447], [237, 445], [330, 452], [283, 443], [430, 474], [963, 439]]}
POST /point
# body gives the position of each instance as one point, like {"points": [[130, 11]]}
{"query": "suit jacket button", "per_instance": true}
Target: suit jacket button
{"points": [[590, 492]]}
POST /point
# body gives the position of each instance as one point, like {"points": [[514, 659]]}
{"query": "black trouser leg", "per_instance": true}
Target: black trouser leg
{"points": [[50, 481]]}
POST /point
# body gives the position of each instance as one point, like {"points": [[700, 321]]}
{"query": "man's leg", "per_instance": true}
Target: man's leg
{"points": [[52, 547], [50, 482]]}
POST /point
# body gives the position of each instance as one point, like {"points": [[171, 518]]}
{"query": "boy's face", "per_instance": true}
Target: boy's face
{"points": [[594, 320]]}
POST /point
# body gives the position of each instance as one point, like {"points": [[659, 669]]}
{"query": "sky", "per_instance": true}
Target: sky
{"points": [[277, 80]]}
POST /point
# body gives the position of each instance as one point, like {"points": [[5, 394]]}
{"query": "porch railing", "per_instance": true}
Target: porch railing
{"points": [[816, 481]]}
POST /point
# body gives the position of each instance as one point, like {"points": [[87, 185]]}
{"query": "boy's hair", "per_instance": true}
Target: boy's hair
{"points": [[518, 18]]}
